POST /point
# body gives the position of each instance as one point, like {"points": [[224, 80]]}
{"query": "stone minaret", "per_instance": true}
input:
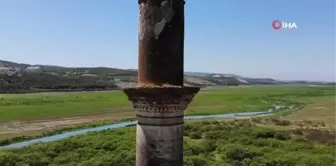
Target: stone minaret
{"points": [[160, 98]]}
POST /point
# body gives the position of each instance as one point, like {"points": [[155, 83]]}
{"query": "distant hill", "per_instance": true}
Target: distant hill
{"points": [[23, 77], [13, 64]]}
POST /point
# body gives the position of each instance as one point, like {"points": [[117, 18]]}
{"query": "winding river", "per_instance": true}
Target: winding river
{"points": [[125, 124]]}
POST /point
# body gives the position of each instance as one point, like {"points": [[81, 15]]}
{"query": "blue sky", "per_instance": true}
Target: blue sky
{"points": [[227, 36]]}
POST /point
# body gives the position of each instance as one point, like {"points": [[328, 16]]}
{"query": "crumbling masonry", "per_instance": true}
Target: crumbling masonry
{"points": [[160, 98]]}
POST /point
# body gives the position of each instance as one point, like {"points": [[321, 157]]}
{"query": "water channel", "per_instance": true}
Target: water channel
{"points": [[125, 124]]}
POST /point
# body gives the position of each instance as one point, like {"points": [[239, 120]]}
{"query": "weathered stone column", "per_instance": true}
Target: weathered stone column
{"points": [[160, 98], [160, 112]]}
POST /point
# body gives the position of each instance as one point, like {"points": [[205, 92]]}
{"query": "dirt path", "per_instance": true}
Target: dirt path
{"points": [[41, 125], [14, 128], [22, 127]]}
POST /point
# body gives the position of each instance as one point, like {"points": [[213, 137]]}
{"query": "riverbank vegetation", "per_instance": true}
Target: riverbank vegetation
{"points": [[315, 103], [206, 143], [42, 106], [305, 138], [46, 133]]}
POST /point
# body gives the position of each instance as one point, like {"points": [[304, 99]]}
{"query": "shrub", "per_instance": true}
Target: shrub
{"points": [[195, 135]]}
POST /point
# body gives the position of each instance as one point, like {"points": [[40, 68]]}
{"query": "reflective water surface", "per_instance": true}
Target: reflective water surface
{"points": [[124, 124]]}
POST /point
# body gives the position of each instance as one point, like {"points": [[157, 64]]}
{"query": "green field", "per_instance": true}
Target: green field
{"points": [[206, 143], [304, 137], [48, 113], [42, 106]]}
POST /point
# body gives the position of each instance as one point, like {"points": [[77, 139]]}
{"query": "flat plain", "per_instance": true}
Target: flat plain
{"points": [[28, 114], [303, 136], [43, 106]]}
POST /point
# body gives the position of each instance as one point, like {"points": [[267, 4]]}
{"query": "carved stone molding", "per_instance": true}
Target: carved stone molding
{"points": [[160, 106], [160, 99]]}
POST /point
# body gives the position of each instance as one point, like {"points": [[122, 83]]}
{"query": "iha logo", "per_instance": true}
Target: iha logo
{"points": [[277, 24]]}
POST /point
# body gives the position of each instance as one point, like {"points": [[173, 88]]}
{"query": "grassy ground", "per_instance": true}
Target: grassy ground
{"points": [[206, 143], [302, 137], [44, 106], [318, 109], [52, 110], [41, 106]]}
